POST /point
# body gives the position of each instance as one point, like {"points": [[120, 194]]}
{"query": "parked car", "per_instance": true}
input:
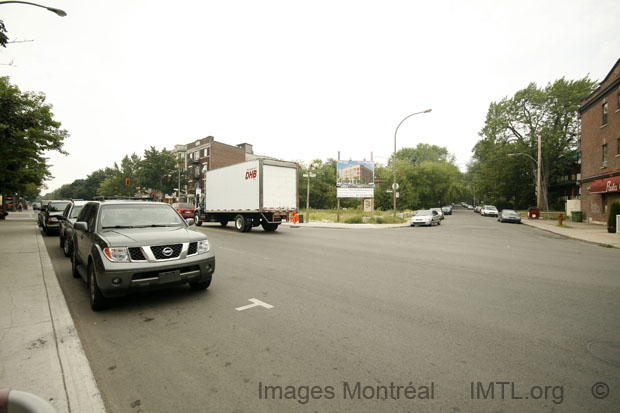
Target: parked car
{"points": [[488, 211], [447, 210], [125, 246], [185, 209], [425, 217], [439, 211], [477, 209], [509, 215], [48, 216], [67, 219], [470, 207], [36, 205]]}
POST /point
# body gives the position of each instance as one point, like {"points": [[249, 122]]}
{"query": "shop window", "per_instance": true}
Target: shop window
{"points": [[604, 164], [605, 107]]}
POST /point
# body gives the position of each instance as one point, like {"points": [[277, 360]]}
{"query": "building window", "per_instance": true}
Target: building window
{"points": [[618, 96], [604, 155], [605, 107]]}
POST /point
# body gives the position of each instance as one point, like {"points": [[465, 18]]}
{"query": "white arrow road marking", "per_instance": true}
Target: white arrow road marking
{"points": [[256, 304]]}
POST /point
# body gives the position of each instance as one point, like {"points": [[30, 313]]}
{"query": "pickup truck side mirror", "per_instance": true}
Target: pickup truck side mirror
{"points": [[190, 221], [81, 226]]}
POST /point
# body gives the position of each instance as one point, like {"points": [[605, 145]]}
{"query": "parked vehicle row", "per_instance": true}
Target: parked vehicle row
{"points": [[121, 246], [505, 215]]}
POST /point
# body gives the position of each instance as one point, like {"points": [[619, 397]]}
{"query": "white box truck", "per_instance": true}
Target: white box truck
{"points": [[259, 192]]}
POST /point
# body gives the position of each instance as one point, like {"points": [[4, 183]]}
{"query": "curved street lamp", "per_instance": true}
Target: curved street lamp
{"points": [[59, 12], [538, 178], [395, 186]]}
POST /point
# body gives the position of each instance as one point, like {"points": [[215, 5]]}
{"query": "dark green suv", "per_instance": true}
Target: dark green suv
{"points": [[125, 246]]}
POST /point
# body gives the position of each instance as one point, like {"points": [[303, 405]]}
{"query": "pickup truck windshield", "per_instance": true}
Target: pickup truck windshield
{"points": [[139, 216]]}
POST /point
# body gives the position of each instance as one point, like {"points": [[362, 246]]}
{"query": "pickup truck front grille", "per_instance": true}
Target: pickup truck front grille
{"points": [[135, 253], [166, 252]]}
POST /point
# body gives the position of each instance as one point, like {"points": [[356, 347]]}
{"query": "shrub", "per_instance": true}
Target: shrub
{"points": [[357, 219], [614, 210]]}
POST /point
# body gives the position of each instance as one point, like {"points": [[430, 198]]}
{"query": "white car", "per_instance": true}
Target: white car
{"points": [[426, 217], [439, 212], [488, 211]]}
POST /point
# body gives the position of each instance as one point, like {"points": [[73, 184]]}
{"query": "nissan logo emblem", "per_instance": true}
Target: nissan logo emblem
{"points": [[167, 251]]}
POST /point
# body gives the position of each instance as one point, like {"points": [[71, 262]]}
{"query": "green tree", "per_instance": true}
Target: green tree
{"points": [[27, 131], [157, 171], [514, 125], [114, 183]]}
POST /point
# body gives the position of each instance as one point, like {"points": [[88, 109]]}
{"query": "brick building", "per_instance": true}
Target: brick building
{"points": [[600, 148], [205, 155]]}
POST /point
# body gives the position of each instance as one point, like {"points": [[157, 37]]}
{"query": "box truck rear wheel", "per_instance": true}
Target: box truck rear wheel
{"points": [[197, 220], [269, 227]]}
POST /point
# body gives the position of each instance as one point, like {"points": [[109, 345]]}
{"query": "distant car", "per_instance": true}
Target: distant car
{"points": [[447, 210], [48, 216], [470, 207], [488, 211], [67, 220], [185, 209], [439, 211], [36, 205], [426, 217], [509, 215], [477, 209]]}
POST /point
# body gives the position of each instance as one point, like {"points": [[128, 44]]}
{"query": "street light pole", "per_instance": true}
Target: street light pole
{"points": [[538, 175], [59, 12], [394, 160]]}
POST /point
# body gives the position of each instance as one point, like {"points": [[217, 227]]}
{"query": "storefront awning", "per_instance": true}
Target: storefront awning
{"points": [[605, 185]]}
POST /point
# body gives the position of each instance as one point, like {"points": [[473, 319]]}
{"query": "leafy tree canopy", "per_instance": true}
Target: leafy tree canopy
{"points": [[27, 131]]}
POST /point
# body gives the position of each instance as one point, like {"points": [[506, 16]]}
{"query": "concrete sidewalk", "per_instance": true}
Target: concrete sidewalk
{"points": [[40, 351], [592, 233]]}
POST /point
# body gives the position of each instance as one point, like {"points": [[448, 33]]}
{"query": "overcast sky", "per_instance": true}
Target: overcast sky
{"points": [[297, 80]]}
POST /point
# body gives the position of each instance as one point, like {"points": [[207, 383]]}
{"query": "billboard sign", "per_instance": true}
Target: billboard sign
{"points": [[355, 179]]}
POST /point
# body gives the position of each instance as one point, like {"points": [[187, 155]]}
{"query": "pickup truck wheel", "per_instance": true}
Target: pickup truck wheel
{"points": [[240, 223], [66, 248], [200, 285], [74, 270], [197, 220], [97, 300]]}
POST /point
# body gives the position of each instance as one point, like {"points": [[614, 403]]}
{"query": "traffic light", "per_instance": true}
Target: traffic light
{"points": [[127, 181]]}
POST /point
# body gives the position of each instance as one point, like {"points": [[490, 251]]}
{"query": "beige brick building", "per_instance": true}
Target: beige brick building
{"points": [[600, 148]]}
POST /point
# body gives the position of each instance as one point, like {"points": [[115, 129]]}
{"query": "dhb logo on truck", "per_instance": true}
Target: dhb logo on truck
{"points": [[251, 174]]}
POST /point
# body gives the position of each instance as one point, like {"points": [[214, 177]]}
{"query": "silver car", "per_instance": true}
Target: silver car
{"points": [[509, 215], [426, 217]]}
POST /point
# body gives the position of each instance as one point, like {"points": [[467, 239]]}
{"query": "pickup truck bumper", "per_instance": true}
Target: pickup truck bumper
{"points": [[119, 279]]}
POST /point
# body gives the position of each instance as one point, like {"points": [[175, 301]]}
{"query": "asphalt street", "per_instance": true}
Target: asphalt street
{"points": [[347, 317]]}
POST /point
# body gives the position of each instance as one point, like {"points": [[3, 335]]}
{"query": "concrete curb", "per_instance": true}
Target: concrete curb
{"points": [[333, 225], [570, 235], [80, 386]]}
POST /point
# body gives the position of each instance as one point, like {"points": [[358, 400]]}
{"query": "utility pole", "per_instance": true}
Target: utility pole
{"points": [[538, 177]]}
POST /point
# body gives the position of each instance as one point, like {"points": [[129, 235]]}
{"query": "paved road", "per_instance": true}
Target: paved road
{"points": [[437, 308]]}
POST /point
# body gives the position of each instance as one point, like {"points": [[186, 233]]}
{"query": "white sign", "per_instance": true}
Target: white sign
{"points": [[355, 192]]}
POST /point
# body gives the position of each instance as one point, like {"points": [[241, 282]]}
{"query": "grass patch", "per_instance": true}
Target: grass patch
{"points": [[563, 226], [351, 216], [357, 219]]}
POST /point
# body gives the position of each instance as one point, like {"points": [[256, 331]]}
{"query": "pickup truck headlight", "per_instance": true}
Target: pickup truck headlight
{"points": [[203, 246], [117, 254]]}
